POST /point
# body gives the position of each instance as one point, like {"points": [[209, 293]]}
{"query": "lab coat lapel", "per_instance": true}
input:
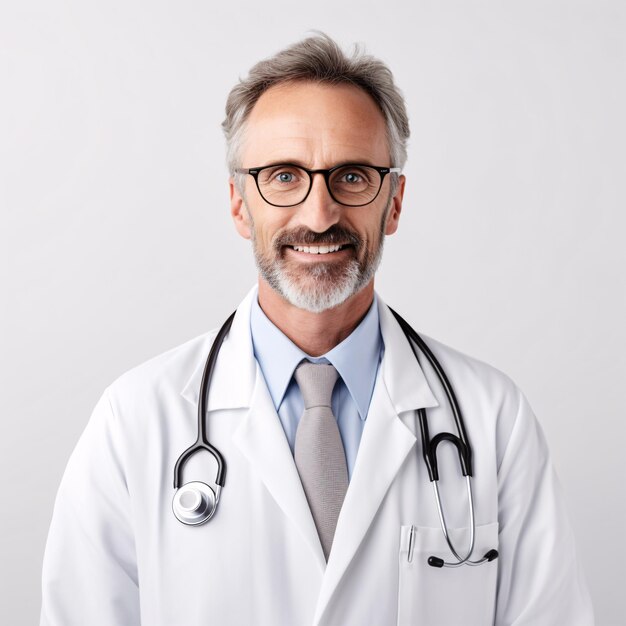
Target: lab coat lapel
{"points": [[400, 386], [239, 383], [261, 439]]}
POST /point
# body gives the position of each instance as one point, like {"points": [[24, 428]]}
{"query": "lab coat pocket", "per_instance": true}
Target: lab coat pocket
{"points": [[447, 596]]}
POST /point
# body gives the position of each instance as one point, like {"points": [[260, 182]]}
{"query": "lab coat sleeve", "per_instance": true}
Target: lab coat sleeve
{"points": [[89, 570], [540, 582]]}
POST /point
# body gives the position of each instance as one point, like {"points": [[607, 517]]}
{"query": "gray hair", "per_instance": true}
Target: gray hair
{"points": [[318, 59]]}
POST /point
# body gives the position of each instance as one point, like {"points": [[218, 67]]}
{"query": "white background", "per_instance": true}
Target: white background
{"points": [[117, 243]]}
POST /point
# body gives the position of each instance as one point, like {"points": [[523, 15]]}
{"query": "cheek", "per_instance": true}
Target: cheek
{"points": [[266, 228], [367, 221], [369, 230]]}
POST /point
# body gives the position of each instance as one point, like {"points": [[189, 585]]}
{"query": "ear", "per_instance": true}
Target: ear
{"points": [[396, 208], [239, 211]]}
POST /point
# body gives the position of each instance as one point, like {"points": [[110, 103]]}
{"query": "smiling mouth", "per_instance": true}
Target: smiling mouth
{"points": [[323, 249]]}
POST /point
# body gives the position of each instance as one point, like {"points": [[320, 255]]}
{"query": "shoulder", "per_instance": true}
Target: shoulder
{"points": [[173, 369], [471, 376], [162, 374], [468, 370], [488, 396]]}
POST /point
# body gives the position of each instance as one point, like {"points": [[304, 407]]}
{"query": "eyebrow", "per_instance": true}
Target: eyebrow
{"points": [[299, 163]]}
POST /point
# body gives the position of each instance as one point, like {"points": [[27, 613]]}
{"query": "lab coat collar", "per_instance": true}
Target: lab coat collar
{"points": [[234, 376], [405, 381], [235, 373]]}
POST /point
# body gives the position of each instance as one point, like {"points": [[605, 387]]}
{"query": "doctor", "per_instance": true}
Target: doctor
{"points": [[327, 515]]}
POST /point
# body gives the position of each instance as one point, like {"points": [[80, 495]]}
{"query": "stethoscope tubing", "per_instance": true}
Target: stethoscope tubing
{"points": [[429, 447], [202, 442]]}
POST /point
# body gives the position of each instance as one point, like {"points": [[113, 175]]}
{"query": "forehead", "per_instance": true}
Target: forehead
{"points": [[316, 124]]}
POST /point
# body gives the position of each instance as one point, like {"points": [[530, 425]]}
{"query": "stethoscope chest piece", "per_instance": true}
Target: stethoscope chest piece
{"points": [[195, 503]]}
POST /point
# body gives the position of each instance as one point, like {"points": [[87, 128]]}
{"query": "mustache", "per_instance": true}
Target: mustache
{"points": [[334, 235]]}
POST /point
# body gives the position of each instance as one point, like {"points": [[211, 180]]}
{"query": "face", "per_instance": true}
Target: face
{"points": [[319, 253]]}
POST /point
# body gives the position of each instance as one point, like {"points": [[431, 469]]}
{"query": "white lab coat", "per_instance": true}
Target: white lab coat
{"points": [[116, 555]]}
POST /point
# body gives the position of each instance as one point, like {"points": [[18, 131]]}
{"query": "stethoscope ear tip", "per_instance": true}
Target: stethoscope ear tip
{"points": [[435, 561], [492, 555]]}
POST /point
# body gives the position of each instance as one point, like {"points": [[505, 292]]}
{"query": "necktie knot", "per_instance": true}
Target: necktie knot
{"points": [[316, 382]]}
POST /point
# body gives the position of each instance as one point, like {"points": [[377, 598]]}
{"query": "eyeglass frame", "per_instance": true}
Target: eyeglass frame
{"points": [[382, 172]]}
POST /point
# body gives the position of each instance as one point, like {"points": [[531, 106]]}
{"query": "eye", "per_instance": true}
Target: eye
{"points": [[285, 177], [281, 176], [352, 178]]}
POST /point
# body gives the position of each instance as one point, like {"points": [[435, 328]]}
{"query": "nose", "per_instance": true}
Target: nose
{"points": [[319, 211]]}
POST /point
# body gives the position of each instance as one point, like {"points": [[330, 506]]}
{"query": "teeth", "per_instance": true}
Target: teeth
{"points": [[317, 249]]}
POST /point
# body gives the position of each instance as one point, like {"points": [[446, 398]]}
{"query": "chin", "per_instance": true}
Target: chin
{"points": [[319, 288]]}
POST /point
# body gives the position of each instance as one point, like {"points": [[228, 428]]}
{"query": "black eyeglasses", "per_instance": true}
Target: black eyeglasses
{"points": [[286, 185]]}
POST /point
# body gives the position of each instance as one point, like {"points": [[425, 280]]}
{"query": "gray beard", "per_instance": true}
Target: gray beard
{"points": [[320, 286]]}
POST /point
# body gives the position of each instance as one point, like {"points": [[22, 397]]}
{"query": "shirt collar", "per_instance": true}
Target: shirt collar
{"points": [[356, 358]]}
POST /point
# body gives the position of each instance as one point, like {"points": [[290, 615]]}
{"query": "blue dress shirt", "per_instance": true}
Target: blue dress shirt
{"points": [[356, 359]]}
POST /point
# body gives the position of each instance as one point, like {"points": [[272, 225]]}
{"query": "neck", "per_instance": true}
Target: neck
{"points": [[315, 333]]}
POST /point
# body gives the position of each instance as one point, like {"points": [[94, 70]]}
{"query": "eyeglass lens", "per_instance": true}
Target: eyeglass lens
{"points": [[286, 185]]}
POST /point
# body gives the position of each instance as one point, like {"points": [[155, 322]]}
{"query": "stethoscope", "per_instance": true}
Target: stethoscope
{"points": [[195, 502]]}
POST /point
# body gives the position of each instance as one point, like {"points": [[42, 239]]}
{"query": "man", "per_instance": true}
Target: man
{"points": [[327, 514]]}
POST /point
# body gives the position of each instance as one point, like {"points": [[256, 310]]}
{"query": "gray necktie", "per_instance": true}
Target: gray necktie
{"points": [[319, 454]]}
